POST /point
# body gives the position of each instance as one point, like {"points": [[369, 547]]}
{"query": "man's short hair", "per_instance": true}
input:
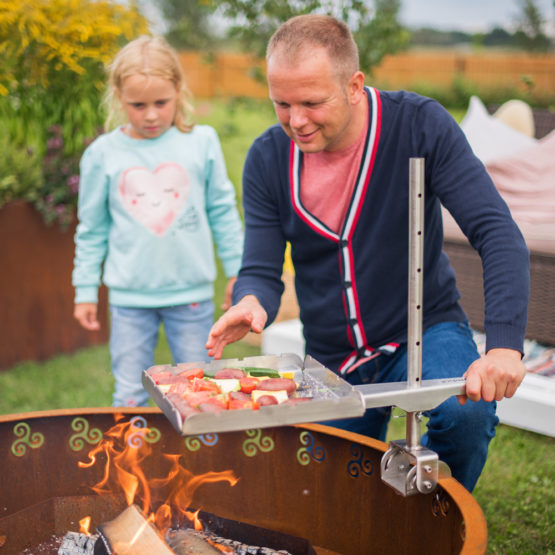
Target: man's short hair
{"points": [[317, 30]]}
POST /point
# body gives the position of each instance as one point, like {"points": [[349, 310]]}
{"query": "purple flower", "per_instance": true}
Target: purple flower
{"points": [[73, 183], [54, 143]]}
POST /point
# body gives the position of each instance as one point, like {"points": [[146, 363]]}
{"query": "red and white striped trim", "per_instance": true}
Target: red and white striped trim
{"points": [[347, 255]]}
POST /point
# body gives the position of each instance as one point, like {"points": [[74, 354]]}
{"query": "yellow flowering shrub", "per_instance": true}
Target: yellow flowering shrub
{"points": [[41, 37], [52, 78]]}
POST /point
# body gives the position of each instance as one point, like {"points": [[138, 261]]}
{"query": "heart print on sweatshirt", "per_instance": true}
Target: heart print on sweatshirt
{"points": [[154, 198]]}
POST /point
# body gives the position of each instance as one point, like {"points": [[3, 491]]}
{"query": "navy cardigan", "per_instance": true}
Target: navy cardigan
{"points": [[352, 287]]}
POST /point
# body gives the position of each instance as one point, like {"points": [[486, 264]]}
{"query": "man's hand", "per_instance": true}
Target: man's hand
{"points": [[494, 375], [86, 315], [247, 315], [228, 291]]}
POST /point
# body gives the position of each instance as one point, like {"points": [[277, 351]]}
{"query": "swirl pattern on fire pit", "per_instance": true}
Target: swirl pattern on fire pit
{"points": [[33, 441], [81, 426], [359, 463], [251, 446], [193, 442], [304, 454], [143, 433]]}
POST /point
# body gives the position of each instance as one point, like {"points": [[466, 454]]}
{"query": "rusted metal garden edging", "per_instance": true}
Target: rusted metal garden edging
{"points": [[36, 295]]}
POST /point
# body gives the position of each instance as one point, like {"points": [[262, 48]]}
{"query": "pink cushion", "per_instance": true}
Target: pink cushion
{"points": [[526, 181]]}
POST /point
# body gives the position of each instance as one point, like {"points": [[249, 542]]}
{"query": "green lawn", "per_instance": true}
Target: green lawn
{"points": [[516, 490]]}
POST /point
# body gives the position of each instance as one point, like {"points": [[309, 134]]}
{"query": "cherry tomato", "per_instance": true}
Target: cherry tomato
{"points": [[205, 385], [192, 373], [221, 400], [248, 385], [240, 404]]}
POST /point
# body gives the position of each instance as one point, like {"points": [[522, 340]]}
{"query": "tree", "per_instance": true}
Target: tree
{"points": [[498, 37], [376, 31], [529, 32], [189, 23]]}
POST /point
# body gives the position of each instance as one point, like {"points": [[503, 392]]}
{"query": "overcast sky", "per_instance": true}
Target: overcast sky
{"points": [[463, 15], [470, 15]]}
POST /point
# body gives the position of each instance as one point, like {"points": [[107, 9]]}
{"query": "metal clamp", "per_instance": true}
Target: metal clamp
{"points": [[410, 470]]}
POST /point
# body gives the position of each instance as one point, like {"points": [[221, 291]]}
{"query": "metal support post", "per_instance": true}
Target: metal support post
{"points": [[408, 467]]}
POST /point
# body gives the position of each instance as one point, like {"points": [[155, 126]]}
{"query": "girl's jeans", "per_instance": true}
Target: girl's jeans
{"points": [[459, 434], [134, 336]]}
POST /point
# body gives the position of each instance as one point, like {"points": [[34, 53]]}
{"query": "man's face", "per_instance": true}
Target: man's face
{"points": [[313, 106]]}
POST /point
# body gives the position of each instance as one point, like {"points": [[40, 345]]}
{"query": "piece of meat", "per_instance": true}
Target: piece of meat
{"points": [[266, 400], [239, 396], [233, 373], [184, 408], [275, 384]]}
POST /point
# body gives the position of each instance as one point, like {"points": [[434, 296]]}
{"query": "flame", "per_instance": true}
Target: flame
{"points": [[84, 525], [124, 448], [193, 517]]}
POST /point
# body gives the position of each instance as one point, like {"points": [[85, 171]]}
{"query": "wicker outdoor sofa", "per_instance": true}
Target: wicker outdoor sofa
{"points": [[468, 267]]}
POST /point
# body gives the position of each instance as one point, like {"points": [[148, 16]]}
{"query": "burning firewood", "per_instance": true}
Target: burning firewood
{"points": [[131, 534], [191, 542]]}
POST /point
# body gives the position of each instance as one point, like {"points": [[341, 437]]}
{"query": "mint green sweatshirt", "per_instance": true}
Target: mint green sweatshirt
{"points": [[149, 214]]}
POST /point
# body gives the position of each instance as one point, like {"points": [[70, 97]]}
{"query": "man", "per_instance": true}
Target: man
{"points": [[332, 179]]}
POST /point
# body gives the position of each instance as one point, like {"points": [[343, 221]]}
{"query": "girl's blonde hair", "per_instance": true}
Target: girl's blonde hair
{"points": [[151, 56]]}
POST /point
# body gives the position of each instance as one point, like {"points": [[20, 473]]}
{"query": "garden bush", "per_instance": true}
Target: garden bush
{"points": [[52, 79]]}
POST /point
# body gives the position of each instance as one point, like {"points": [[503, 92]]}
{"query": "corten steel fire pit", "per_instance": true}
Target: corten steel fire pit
{"points": [[310, 481]]}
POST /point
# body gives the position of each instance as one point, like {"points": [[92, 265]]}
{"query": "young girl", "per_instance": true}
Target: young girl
{"points": [[154, 194]]}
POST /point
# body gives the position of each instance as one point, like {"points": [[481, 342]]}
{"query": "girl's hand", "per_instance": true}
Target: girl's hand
{"points": [[228, 291], [86, 315]]}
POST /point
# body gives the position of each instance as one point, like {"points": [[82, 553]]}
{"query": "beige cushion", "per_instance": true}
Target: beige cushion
{"points": [[489, 137], [518, 115]]}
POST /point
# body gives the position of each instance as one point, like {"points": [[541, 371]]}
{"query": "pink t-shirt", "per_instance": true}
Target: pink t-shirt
{"points": [[328, 180]]}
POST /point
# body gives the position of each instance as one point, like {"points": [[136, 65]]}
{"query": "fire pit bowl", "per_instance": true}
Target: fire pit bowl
{"points": [[309, 481]]}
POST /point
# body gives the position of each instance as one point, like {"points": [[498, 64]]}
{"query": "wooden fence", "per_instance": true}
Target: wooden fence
{"points": [[232, 74]]}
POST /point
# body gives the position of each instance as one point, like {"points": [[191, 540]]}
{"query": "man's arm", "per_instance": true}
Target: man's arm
{"points": [[495, 375], [466, 190], [247, 315]]}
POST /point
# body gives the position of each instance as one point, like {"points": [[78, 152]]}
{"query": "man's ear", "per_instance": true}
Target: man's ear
{"points": [[355, 87]]}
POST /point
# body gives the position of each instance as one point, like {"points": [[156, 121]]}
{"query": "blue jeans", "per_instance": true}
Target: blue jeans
{"points": [[134, 336], [459, 434]]}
